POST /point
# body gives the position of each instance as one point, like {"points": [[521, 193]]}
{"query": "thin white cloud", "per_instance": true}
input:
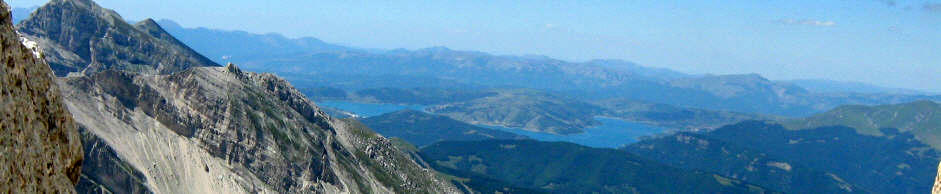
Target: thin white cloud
{"points": [[807, 22]]}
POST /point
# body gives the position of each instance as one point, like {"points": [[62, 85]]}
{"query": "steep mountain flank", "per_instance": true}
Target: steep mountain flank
{"points": [[80, 36], [221, 130], [39, 142]]}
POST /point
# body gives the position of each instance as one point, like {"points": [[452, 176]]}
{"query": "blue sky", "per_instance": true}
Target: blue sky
{"points": [[888, 43]]}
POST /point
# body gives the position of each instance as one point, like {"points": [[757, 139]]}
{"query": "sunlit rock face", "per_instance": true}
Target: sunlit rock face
{"points": [[937, 182], [42, 152]]}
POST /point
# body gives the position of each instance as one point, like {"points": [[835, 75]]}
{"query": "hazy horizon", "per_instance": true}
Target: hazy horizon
{"points": [[883, 43]]}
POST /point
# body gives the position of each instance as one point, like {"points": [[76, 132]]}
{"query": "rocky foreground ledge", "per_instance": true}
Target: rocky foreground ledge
{"points": [[40, 145]]}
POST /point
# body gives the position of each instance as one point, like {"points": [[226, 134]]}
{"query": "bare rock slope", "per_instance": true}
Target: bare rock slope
{"points": [[41, 149], [221, 130]]}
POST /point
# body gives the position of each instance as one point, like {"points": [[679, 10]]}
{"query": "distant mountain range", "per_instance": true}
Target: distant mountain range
{"points": [[830, 86], [309, 62], [242, 47]]}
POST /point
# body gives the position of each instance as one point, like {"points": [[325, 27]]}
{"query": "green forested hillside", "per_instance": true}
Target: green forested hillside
{"points": [[699, 152], [570, 168], [893, 163], [921, 118]]}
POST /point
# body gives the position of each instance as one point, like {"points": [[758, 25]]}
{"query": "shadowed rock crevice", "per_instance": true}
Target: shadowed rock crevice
{"points": [[105, 172]]}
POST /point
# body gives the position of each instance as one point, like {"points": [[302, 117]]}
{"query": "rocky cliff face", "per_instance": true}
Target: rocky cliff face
{"points": [[937, 182], [221, 130], [38, 138], [80, 36]]}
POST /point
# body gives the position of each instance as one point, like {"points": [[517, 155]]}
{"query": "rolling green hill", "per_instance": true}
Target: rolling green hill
{"points": [[921, 118], [526, 109]]}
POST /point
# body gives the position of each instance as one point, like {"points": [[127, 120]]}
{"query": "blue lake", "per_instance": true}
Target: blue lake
{"points": [[368, 109], [612, 133]]}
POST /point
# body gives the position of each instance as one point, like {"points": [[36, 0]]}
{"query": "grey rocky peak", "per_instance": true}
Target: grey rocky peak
{"points": [[232, 68], [80, 36], [39, 142]]}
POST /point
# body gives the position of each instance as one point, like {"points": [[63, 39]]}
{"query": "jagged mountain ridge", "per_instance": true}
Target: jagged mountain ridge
{"points": [[80, 36], [39, 142]]}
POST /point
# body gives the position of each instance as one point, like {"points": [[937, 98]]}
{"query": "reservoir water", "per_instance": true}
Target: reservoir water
{"points": [[612, 133]]}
